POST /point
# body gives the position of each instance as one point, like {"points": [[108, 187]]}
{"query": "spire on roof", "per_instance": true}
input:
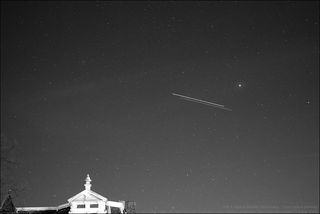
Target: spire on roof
{"points": [[88, 184]]}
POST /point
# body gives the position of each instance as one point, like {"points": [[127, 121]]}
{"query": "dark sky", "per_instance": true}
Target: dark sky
{"points": [[86, 88]]}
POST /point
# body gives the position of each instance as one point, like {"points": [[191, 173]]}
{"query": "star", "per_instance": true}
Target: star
{"points": [[240, 85]]}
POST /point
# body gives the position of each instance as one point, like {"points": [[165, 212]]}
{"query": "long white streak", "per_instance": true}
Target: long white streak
{"points": [[202, 102], [208, 104], [197, 100]]}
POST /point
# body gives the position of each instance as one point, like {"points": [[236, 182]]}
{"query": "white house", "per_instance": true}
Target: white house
{"points": [[87, 201]]}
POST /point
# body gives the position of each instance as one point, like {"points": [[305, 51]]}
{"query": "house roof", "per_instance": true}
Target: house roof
{"points": [[38, 209], [87, 195], [42, 210]]}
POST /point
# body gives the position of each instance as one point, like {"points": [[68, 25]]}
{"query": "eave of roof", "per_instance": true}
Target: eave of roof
{"points": [[35, 208]]}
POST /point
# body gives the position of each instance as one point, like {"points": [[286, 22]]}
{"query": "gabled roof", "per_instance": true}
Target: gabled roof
{"points": [[87, 195]]}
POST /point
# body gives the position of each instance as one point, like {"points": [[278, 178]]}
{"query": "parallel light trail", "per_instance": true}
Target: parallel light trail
{"points": [[201, 101]]}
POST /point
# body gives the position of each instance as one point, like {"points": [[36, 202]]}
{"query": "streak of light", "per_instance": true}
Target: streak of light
{"points": [[201, 101]]}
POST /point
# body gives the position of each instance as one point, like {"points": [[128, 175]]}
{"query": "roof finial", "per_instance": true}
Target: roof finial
{"points": [[88, 184]]}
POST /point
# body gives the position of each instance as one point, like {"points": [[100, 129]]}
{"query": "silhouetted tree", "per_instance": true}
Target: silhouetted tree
{"points": [[8, 165], [7, 206], [130, 207]]}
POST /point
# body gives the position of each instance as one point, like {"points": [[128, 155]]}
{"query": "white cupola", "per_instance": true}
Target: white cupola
{"points": [[87, 185]]}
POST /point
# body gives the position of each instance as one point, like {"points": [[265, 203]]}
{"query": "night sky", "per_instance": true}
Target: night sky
{"points": [[86, 87]]}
